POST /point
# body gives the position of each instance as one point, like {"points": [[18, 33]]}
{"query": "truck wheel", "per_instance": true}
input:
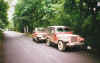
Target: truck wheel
{"points": [[36, 40], [48, 42], [61, 46], [33, 39]]}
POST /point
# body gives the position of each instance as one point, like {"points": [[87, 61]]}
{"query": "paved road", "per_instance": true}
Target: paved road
{"points": [[21, 49]]}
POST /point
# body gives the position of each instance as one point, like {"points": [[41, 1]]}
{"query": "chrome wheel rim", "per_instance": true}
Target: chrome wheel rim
{"points": [[60, 45]]}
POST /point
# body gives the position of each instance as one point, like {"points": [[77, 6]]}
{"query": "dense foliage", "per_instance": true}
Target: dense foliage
{"points": [[78, 14], [3, 14]]}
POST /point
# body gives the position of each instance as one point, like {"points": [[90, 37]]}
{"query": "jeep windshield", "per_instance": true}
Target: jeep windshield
{"points": [[63, 30], [40, 30]]}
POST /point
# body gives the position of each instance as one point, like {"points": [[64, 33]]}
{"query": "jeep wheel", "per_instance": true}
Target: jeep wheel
{"points": [[61, 46], [36, 39], [48, 43], [33, 39]]}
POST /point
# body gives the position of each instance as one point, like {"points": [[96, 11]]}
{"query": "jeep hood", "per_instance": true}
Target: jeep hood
{"points": [[66, 37]]}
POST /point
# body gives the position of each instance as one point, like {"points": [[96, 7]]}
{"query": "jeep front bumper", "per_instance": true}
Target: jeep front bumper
{"points": [[74, 44], [41, 38]]}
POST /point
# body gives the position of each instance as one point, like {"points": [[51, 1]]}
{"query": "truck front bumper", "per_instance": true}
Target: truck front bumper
{"points": [[41, 38], [74, 44]]}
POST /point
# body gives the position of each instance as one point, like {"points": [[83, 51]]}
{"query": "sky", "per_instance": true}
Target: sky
{"points": [[12, 4]]}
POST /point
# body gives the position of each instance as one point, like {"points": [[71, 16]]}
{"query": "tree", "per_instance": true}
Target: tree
{"points": [[74, 13], [3, 14]]}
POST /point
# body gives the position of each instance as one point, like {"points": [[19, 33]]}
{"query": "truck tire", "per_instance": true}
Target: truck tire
{"points": [[61, 46], [48, 42]]}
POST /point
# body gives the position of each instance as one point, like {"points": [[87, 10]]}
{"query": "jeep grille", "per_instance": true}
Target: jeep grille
{"points": [[73, 39]]}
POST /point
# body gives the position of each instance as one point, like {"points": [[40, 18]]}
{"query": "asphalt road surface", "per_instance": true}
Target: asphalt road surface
{"points": [[20, 48]]}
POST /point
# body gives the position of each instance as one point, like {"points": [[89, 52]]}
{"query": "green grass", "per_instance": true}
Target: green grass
{"points": [[1, 48], [1, 37], [29, 34]]}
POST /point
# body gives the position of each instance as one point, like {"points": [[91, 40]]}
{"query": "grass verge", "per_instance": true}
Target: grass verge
{"points": [[1, 48], [29, 34]]}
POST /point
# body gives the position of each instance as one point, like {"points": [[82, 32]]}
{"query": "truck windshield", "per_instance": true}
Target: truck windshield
{"points": [[40, 30], [63, 30]]}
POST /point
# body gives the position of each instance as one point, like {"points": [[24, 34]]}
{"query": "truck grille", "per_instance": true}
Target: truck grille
{"points": [[73, 39]]}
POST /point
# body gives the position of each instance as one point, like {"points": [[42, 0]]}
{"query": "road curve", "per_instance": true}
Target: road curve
{"points": [[21, 49]]}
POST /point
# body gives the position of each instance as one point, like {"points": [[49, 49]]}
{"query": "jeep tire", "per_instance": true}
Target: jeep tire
{"points": [[61, 46], [48, 42], [33, 39]]}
